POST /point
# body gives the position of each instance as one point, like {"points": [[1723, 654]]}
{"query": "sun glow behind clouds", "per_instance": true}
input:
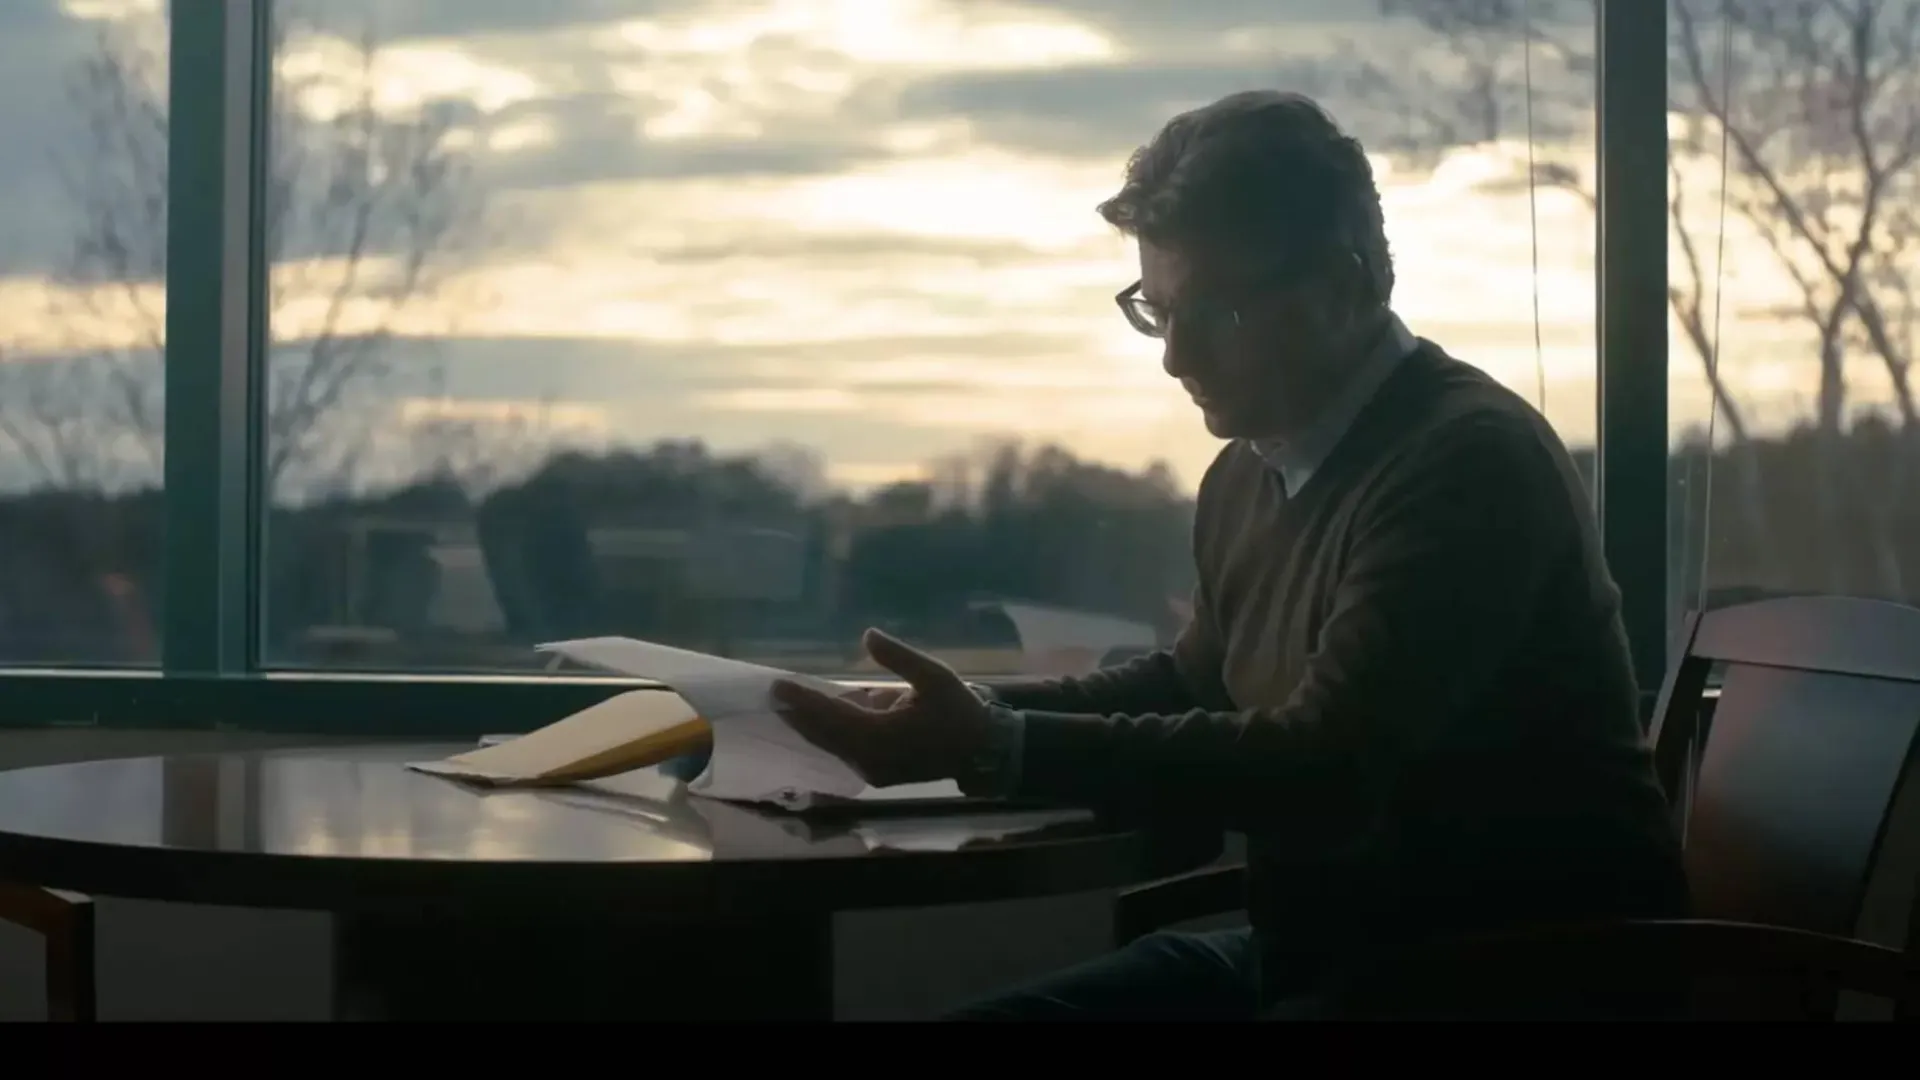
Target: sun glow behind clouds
{"points": [[976, 193], [112, 9], [925, 34], [743, 69]]}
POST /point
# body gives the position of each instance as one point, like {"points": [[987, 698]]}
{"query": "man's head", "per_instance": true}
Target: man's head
{"points": [[1263, 257]]}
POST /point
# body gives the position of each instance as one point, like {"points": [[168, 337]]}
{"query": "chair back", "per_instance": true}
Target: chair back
{"points": [[1788, 791], [540, 562]]}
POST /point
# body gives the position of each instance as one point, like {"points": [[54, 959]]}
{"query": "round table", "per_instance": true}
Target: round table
{"points": [[625, 899]]}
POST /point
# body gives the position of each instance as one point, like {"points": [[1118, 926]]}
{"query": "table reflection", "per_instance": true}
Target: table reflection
{"points": [[114, 801], [365, 804], [380, 809]]}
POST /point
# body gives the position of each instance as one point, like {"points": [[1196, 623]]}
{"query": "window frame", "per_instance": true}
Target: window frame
{"points": [[211, 675]]}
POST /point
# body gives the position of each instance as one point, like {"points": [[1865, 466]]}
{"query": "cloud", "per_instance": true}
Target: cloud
{"points": [[577, 93], [599, 137], [403, 20], [39, 48], [1093, 110], [21, 17], [858, 246], [1155, 28]]}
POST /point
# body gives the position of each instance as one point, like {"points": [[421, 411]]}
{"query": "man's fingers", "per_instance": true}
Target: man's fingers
{"points": [[922, 672]]}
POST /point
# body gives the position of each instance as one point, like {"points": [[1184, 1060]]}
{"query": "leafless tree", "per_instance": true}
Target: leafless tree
{"points": [[366, 209], [478, 453], [1819, 104], [1821, 109]]}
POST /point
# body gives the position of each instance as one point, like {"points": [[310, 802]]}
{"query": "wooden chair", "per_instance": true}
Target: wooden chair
{"points": [[64, 922], [1801, 834]]}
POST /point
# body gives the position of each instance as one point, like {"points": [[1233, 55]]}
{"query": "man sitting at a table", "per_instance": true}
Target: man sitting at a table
{"points": [[1406, 678]]}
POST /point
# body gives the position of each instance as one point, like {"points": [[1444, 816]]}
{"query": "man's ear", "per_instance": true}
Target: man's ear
{"points": [[1357, 285]]}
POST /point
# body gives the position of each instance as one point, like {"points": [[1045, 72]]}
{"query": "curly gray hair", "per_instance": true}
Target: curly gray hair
{"points": [[1256, 172]]}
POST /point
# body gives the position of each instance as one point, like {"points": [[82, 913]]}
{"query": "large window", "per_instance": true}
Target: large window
{"points": [[1796, 137], [747, 325], [83, 246]]}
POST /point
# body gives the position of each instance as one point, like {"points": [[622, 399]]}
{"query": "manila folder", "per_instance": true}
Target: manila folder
{"points": [[632, 730]]}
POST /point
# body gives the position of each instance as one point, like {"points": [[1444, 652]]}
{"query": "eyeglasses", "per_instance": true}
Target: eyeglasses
{"points": [[1205, 315], [1153, 320]]}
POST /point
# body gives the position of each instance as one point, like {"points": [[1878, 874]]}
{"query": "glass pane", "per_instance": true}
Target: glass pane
{"points": [[745, 326], [1811, 481], [83, 230]]}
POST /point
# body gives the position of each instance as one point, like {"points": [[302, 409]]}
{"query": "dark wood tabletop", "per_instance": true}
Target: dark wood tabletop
{"points": [[455, 902], [354, 829]]}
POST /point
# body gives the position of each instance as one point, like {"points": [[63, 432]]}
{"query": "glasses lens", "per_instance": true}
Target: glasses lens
{"points": [[1144, 317]]}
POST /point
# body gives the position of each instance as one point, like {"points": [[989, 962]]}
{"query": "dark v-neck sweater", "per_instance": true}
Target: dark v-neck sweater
{"points": [[1408, 684]]}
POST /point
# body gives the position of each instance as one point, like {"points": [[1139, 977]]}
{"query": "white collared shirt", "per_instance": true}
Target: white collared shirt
{"points": [[1297, 458]]}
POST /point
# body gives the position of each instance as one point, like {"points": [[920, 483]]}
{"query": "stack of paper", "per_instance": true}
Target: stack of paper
{"points": [[725, 704]]}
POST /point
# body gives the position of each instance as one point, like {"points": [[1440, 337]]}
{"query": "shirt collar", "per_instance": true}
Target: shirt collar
{"points": [[1297, 458]]}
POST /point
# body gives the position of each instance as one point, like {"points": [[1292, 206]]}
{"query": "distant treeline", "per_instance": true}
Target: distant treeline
{"points": [[80, 572]]}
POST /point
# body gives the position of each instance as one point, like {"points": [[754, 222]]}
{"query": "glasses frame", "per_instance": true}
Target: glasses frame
{"points": [[1208, 308]]}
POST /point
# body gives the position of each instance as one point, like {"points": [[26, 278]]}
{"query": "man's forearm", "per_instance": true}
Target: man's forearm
{"points": [[1230, 770], [1150, 683]]}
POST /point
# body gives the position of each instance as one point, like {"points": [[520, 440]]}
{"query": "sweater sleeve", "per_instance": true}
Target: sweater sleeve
{"points": [[1448, 561]]}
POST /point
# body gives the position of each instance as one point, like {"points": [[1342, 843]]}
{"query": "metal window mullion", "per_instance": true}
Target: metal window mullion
{"points": [[215, 335], [1632, 281]]}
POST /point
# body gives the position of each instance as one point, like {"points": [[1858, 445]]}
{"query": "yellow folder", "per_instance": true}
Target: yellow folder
{"points": [[632, 730]]}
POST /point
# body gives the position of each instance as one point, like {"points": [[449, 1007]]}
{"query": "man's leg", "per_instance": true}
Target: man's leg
{"points": [[1165, 976]]}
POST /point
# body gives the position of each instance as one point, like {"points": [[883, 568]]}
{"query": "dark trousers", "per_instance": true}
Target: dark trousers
{"points": [[1166, 976], [1216, 976]]}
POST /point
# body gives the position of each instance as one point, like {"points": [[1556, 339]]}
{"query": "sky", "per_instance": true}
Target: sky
{"points": [[860, 226]]}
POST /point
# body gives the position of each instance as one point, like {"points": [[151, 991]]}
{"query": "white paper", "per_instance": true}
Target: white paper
{"points": [[1059, 641], [756, 756], [789, 799], [933, 791], [952, 834]]}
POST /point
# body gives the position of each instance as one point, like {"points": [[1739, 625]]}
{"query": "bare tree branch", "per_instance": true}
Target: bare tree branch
{"points": [[1821, 113], [366, 209]]}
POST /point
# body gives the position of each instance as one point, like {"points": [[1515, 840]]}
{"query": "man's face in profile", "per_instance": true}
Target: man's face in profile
{"points": [[1255, 346]]}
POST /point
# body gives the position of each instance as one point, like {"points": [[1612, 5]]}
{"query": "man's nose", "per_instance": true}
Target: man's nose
{"points": [[1175, 359]]}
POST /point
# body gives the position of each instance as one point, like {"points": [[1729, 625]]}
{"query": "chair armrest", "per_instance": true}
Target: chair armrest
{"points": [[1142, 909], [46, 912], [1635, 958]]}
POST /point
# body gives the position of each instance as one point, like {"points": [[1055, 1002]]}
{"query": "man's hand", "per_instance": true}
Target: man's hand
{"points": [[934, 730]]}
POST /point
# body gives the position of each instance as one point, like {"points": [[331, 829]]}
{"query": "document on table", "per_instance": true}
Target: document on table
{"points": [[755, 755], [625, 732]]}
